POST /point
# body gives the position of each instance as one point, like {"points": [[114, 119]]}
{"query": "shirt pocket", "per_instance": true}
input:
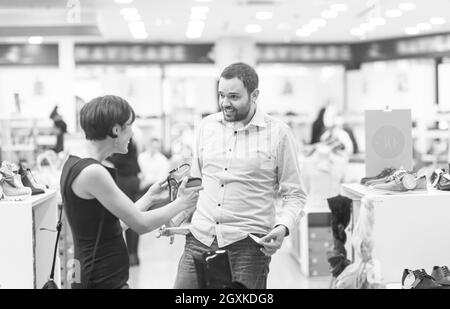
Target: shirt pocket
{"points": [[266, 160]]}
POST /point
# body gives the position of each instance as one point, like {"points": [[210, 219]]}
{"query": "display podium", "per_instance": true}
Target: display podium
{"points": [[410, 229], [26, 244]]}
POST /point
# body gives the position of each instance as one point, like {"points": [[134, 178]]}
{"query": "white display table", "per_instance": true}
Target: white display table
{"points": [[411, 230], [26, 251]]}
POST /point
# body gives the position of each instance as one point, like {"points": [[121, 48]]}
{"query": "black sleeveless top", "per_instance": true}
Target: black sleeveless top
{"points": [[111, 265]]}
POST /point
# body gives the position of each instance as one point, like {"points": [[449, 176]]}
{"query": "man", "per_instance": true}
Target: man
{"points": [[245, 158]]}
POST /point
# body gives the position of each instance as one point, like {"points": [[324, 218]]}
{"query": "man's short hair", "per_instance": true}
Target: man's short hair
{"points": [[101, 114], [243, 72]]}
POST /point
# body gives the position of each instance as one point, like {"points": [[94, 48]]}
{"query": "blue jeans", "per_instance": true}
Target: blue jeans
{"points": [[249, 265]]}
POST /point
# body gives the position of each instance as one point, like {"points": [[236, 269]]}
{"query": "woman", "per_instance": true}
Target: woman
{"points": [[94, 204]]}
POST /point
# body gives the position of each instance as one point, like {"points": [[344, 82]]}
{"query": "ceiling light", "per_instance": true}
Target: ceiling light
{"points": [[283, 26], [302, 32], [140, 35], [195, 15], [339, 7], [200, 9], [329, 14], [318, 22], [202, 0], [411, 30], [35, 40], [253, 28], [367, 27], [423, 26], [129, 11], [264, 15], [378, 21], [437, 21], [123, 1], [357, 31], [310, 28], [406, 6], [132, 17], [394, 13], [195, 29]]}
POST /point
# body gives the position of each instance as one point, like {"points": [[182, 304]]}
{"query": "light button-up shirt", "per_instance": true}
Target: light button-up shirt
{"points": [[243, 170]]}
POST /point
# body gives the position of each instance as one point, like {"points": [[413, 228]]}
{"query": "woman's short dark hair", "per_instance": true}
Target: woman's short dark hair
{"points": [[243, 72], [101, 114]]}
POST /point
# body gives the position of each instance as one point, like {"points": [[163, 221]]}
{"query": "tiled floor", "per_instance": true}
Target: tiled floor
{"points": [[159, 262]]}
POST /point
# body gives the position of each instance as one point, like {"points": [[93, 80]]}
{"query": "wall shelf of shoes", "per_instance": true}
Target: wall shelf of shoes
{"points": [[27, 241], [21, 138]]}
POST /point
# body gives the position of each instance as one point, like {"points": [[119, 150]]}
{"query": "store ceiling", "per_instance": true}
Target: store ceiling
{"points": [[167, 20]]}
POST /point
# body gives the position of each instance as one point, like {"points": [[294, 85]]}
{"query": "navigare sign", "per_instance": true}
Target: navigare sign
{"points": [[388, 140]]}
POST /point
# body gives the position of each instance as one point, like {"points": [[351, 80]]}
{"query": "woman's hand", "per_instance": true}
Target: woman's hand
{"points": [[158, 192], [188, 196]]}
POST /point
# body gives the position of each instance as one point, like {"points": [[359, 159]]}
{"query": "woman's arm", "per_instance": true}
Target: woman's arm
{"points": [[95, 182]]}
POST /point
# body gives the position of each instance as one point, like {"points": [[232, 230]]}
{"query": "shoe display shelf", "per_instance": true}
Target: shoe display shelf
{"points": [[410, 229], [26, 244]]}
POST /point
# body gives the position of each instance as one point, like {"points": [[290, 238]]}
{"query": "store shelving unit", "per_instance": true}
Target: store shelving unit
{"points": [[26, 245]]}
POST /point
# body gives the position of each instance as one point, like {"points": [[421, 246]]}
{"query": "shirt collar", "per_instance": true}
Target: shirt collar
{"points": [[258, 119]]}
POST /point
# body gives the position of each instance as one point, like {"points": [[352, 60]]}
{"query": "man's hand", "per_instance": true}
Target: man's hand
{"points": [[273, 241]]}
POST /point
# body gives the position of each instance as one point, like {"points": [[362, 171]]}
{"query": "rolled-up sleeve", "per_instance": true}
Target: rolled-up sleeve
{"points": [[289, 180]]}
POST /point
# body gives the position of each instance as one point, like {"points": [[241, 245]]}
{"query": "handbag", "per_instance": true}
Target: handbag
{"points": [[51, 284]]}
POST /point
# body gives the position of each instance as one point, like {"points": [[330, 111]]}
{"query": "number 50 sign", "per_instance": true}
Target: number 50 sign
{"points": [[388, 140]]}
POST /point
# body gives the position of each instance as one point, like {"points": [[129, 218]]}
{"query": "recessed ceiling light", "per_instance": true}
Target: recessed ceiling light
{"points": [[339, 7], [35, 40], [318, 22], [264, 15], [129, 11], [310, 28], [195, 15], [367, 27], [411, 30], [132, 17], [302, 32], [123, 1], [437, 21], [202, 0], [378, 21], [283, 26], [195, 29], [357, 31], [394, 13], [407, 6], [329, 14], [253, 28], [200, 9], [423, 26]]}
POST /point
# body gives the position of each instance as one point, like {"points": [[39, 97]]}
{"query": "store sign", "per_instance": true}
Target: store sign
{"points": [[142, 53], [431, 45], [388, 140], [304, 53], [26, 54]]}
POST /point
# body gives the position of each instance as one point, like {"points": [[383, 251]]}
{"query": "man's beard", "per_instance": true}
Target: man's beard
{"points": [[231, 114]]}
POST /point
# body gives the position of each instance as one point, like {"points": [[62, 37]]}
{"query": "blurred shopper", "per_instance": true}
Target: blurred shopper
{"points": [[94, 203], [128, 181], [244, 157], [60, 128], [318, 127], [154, 165]]}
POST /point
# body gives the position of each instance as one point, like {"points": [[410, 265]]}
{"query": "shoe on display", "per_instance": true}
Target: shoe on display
{"points": [[1, 188], [418, 279], [11, 190], [444, 182], [435, 176], [382, 176], [441, 275], [421, 183], [399, 181], [27, 181]]}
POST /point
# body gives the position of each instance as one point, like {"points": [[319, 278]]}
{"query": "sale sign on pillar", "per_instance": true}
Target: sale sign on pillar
{"points": [[388, 140]]}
